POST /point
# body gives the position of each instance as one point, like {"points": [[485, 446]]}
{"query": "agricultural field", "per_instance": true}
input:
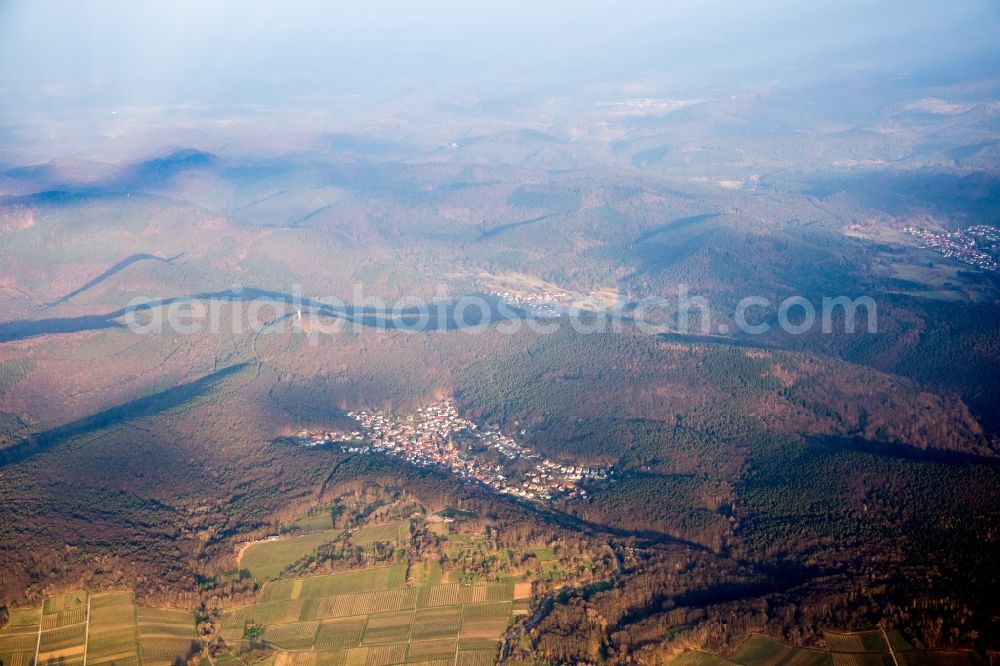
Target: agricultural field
{"points": [[380, 615], [371, 617], [389, 532], [861, 659], [698, 658], [113, 638], [102, 629], [364, 580], [165, 635], [20, 637], [267, 559], [315, 522], [64, 602], [865, 648], [763, 650], [63, 635], [859, 641]]}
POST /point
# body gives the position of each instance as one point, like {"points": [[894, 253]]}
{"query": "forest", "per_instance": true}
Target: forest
{"points": [[780, 483]]}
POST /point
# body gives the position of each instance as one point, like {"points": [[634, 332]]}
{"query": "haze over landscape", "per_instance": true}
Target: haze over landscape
{"points": [[513, 333]]}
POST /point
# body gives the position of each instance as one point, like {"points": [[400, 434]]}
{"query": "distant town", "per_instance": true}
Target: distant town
{"points": [[543, 305], [978, 245], [437, 436]]}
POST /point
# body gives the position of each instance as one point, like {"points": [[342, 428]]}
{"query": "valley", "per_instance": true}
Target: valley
{"points": [[655, 335], [436, 435]]}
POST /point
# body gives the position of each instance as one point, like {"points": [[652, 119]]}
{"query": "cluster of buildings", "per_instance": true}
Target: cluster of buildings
{"points": [[652, 104], [437, 436], [966, 245], [985, 233], [539, 305]]}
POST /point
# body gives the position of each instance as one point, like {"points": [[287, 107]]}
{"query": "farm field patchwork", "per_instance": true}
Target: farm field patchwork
{"points": [[112, 637], [368, 617], [63, 636], [165, 635], [364, 580], [858, 641], [102, 629], [20, 637], [763, 650], [377, 616]]}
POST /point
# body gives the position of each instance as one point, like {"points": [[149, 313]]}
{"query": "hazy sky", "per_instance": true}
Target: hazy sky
{"points": [[255, 50]]}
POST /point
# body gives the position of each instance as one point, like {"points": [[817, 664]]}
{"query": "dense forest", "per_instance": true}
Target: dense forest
{"points": [[777, 482]]}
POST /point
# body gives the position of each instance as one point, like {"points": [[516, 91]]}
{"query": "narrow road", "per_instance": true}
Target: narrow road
{"points": [[38, 643], [892, 653], [86, 634]]}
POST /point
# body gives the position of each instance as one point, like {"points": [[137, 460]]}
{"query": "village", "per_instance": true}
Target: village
{"points": [[437, 436], [544, 305], [963, 244]]}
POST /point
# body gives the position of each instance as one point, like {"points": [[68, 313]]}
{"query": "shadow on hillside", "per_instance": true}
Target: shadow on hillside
{"points": [[904, 451], [134, 409], [30, 328], [117, 268], [436, 316]]}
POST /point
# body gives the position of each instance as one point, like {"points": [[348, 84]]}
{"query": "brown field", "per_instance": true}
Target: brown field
{"points": [[384, 655], [427, 650], [476, 658], [22, 642], [357, 657], [62, 653], [116, 660], [64, 638], [17, 658]]}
